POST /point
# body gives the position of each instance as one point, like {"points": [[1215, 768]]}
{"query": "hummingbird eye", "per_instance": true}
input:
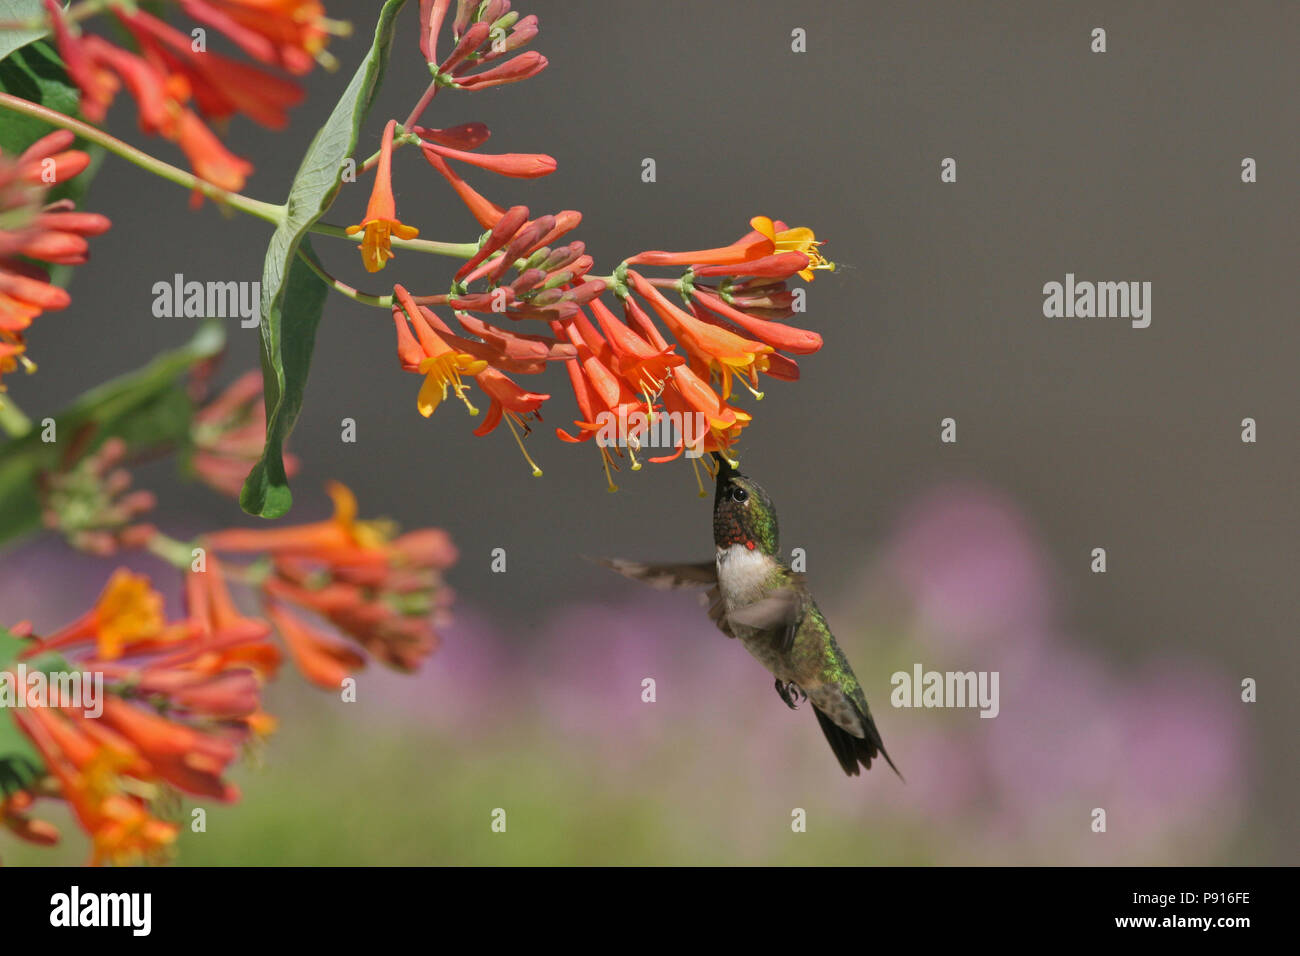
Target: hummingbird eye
{"points": [[739, 494]]}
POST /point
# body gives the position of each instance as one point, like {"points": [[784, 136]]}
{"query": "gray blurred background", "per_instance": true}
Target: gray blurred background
{"points": [[1115, 166]]}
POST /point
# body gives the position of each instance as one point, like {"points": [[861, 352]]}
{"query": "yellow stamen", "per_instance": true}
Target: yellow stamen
{"points": [[510, 416], [442, 372], [606, 462]]}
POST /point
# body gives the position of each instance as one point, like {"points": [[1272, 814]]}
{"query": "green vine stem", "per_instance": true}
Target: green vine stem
{"points": [[179, 554], [341, 287], [270, 212], [254, 207]]}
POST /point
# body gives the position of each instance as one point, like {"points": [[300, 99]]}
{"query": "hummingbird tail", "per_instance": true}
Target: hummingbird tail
{"points": [[851, 751]]}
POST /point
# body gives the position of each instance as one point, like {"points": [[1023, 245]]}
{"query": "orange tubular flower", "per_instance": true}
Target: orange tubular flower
{"points": [[35, 231], [767, 240], [289, 33], [714, 349], [381, 222], [800, 239], [168, 717], [513, 165], [341, 537], [602, 396], [385, 592], [442, 366], [687, 393], [322, 661], [753, 245], [221, 86], [128, 617], [484, 211], [172, 84], [432, 13], [787, 338], [98, 85], [233, 640], [638, 361], [90, 775], [514, 404], [161, 98]]}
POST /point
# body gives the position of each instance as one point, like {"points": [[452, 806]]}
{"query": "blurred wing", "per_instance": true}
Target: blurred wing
{"points": [[665, 577], [781, 611], [718, 610]]}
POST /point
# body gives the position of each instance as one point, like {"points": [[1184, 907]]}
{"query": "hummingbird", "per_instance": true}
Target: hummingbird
{"points": [[755, 598]]}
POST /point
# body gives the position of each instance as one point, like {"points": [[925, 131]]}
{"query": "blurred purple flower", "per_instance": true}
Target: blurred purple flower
{"points": [[973, 570]]}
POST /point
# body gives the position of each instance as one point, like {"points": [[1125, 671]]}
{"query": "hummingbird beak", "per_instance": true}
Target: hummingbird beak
{"points": [[725, 474]]}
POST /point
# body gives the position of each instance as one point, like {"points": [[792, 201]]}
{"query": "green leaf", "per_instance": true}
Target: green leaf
{"points": [[292, 296], [15, 10], [20, 763], [266, 490], [145, 408], [35, 73]]}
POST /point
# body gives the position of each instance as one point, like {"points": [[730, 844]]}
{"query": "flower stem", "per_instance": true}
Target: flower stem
{"points": [[179, 554], [270, 212], [379, 301], [254, 207], [418, 110], [401, 139]]}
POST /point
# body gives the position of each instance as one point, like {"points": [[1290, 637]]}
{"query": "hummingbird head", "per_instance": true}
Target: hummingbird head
{"points": [[742, 512]]}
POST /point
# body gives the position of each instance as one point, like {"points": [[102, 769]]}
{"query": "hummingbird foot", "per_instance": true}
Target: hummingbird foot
{"points": [[791, 693]]}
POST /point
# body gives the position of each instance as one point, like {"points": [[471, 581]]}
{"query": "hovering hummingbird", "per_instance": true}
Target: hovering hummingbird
{"points": [[758, 600]]}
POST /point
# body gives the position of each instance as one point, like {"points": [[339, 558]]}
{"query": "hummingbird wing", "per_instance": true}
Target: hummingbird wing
{"points": [[780, 612], [667, 577], [664, 577]]}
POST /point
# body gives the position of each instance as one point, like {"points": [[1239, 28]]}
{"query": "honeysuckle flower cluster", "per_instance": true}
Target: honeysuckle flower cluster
{"points": [[484, 31], [179, 85], [180, 699], [91, 503], [677, 333], [183, 696], [729, 327], [362, 578], [382, 589], [35, 234], [633, 341]]}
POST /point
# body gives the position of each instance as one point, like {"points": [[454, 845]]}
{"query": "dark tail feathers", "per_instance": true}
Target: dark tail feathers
{"points": [[851, 751]]}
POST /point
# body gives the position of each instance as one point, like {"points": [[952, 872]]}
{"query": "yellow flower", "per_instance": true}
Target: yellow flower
{"points": [[365, 534], [128, 611], [381, 222], [800, 239], [442, 371]]}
